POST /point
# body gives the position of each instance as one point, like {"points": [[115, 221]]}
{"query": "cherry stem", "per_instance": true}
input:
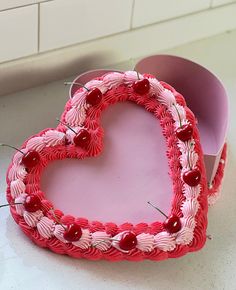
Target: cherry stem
{"points": [[78, 84], [9, 204], [138, 75], [57, 220], [66, 125], [98, 243], [6, 145], [188, 156], [180, 122], [115, 240], [103, 241], [132, 63], [189, 160], [157, 209]]}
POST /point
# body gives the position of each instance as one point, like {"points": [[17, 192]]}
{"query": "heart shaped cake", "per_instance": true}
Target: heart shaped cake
{"points": [[79, 135]]}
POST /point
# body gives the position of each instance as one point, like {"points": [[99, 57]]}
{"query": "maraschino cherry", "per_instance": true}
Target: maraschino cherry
{"points": [[32, 203], [82, 138], [128, 241], [141, 87], [29, 159], [172, 224], [93, 97], [192, 177], [184, 132], [73, 232]]}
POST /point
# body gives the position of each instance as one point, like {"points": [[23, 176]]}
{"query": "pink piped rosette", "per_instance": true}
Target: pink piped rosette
{"points": [[95, 240]]}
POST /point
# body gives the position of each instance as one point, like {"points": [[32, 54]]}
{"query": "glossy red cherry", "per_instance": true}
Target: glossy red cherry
{"points": [[73, 233], [192, 177], [141, 87], [185, 132], [172, 224], [30, 159], [128, 241], [82, 139], [32, 203], [94, 97]]}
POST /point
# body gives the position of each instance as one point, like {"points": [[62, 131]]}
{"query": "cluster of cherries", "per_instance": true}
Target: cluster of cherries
{"points": [[93, 98], [184, 133], [81, 139], [193, 176], [73, 231]]}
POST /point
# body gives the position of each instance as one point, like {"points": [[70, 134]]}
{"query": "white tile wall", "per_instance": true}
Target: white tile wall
{"points": [[151, 11], [67, 22], [32, 26], [18, 32], [221, 2], [6, 4]]}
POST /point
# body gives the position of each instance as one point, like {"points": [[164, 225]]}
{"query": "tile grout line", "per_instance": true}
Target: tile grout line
{"points": [[23, 6], [184, 15], [38, 48]]}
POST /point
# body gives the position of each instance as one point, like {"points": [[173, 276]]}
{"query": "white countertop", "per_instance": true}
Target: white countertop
{"points": [[25, 266]]}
